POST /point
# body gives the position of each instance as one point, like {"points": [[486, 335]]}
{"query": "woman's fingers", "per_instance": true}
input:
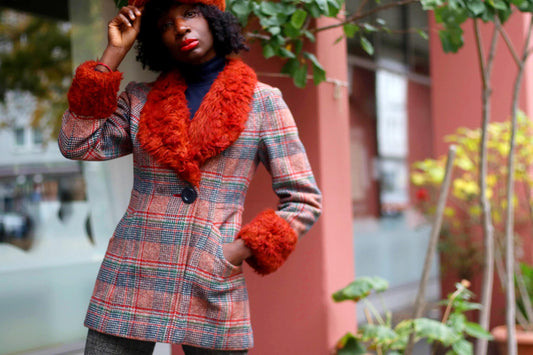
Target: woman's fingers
{"points": [[128, 15], [124, 27], [124, 20]]}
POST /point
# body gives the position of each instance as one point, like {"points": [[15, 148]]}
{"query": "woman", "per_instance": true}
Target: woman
{"points": [[172, 271]]}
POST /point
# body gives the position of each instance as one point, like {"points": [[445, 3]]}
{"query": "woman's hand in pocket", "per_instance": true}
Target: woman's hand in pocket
{"points": [[236, 252]]}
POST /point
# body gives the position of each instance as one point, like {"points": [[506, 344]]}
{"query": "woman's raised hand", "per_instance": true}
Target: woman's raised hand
{"points": [[123, 28], [122, 31]]}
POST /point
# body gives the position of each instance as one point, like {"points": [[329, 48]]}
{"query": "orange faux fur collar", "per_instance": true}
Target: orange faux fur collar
{"points": [[167, 133]]}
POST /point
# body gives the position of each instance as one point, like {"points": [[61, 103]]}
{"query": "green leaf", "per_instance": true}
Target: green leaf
{"points": [[457, 322], [350, 29], [268, 8], [300, 76], [523, 5], [274, 30], [451, 40], [476, 7], [323, 6], [463, 347], [290, 67], [431, 4], [241, 10], [422, 34], [290, 31], [498, 4], [313, 60], [333, 7], [340, 38], [121, 3], [475, 330], [504, 15], [319, 74], [285, 53], [298, 18], [277, 40], [268, 51], [467, 306], [309, 36], [369, 28], [349, 344], [377, 333], [361, 288], [298, 45], [367, 46], [434, 330], [314, 10]]}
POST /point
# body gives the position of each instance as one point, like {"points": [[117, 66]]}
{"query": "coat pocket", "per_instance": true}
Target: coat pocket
{"points": [[211, 260], [218, 290]]}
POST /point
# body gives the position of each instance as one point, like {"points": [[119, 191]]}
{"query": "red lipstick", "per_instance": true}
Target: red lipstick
{"points": [[188, 44]]}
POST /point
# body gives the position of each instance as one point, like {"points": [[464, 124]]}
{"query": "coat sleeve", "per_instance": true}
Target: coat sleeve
{"points": [[96, 125], [273, 235]]}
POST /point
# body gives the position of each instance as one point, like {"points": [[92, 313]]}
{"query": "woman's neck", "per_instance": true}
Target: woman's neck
{"points": [[202, 73]]}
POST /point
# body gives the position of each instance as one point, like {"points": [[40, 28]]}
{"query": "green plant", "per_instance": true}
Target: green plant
{"points": [[463, 212], [381, 335]]}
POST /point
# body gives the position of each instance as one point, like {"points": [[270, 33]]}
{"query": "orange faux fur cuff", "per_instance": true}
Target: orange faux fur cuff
{"points": [[271, 240], [93, 94]]}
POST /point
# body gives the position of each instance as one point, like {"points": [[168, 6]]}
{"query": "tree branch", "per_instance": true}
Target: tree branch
{"points": [[433, 241], [257, 35], [356, 17], [509, 225], [507, 40], [488, 227]]}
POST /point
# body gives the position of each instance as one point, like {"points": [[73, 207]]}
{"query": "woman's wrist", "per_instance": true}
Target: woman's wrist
{"points": [[111, 59], [244, 251]]}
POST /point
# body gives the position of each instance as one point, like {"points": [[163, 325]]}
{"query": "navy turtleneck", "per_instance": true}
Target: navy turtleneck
{"points": [[199, 79]]}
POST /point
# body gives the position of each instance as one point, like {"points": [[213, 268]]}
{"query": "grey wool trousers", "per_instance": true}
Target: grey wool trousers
{"points": [[105, 344]]}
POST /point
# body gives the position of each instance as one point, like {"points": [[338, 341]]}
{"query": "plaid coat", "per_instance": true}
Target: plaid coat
{"points": [[164, 277]]}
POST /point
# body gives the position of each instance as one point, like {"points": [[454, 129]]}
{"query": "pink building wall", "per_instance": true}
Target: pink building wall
{"points": [[292, 311], [456, 82]]}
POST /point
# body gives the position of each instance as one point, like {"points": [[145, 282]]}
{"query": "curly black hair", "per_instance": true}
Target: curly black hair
{"points": [[151, 52]]}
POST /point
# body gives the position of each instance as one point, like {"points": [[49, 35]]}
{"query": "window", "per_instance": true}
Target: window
{"points": [[56, 216], [390, 128], [20, 140], [37, 136]]}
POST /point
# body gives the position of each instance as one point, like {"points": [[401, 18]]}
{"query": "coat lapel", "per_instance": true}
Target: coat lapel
{"points": [[167, 133]]}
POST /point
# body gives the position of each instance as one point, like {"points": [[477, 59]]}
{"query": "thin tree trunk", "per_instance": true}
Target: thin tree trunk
{"points": [[433, 240], [488, 228], [509, 225]]}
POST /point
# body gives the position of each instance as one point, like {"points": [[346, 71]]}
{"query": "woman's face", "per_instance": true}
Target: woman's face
{"points": [[186, 34]]}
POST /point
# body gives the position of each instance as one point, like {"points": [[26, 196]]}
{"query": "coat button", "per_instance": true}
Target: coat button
{"points": [[188, 195]]}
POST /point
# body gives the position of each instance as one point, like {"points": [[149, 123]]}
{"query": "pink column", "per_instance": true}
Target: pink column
{"points": [[292, 310]]}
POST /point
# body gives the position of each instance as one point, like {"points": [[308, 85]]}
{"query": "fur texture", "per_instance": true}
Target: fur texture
{"points": [[173, 139], [221, 4], [271, 240], [93, 94]]}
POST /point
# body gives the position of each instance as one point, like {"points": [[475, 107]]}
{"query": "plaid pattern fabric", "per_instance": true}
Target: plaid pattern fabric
{"points": [[164, 277]]}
